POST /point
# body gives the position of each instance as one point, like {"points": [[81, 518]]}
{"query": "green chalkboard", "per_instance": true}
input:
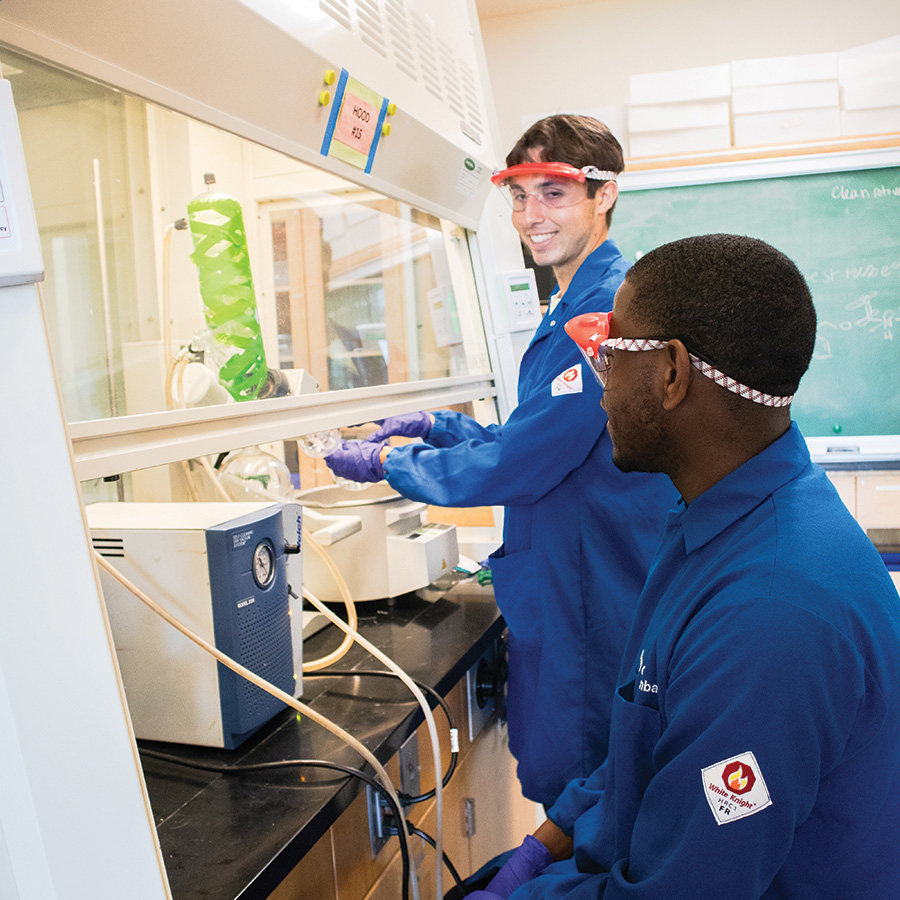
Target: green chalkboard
{"points": [[842, 228]]}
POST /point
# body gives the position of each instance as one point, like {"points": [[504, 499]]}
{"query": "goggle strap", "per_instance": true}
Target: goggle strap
{"points": [[596, 174], [711, 372], [748, 393], [555, 169]]}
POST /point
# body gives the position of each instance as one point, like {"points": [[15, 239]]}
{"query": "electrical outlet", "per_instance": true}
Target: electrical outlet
{"points": [[469, 817], [486, 688], [410, 768], [377, 806]]}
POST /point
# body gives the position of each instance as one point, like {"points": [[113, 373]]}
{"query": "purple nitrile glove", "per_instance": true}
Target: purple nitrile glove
{"points": [[411, 425], [529, 860], [357, 460], [484, 895]]}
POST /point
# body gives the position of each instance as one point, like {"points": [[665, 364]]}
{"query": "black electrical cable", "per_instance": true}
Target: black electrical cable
{"points": [[378, 673], [430, 840], [287, 763], [384, 673]]}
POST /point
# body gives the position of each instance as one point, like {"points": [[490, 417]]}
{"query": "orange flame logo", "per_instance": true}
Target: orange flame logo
{"points": [[738, 778]]}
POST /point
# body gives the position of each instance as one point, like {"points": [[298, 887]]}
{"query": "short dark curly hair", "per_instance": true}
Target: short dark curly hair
{"points": [[735, 300], [577, 140]]}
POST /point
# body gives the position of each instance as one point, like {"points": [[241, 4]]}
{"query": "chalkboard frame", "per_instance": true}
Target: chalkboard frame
{"points": [[835, 450]]}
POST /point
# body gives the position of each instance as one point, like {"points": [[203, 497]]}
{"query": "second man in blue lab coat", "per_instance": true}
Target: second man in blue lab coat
{"points": [[578, 534]]}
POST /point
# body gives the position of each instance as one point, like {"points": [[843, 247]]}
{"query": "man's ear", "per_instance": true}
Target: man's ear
{"points": [[678, 374], [606, 195]]}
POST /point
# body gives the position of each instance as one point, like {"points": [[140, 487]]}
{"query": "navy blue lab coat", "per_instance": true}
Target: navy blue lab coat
{"points": [[755, 750], [578, 536]]}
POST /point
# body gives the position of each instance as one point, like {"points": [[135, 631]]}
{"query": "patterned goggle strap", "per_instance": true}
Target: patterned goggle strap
{"points": [[704, 368]]}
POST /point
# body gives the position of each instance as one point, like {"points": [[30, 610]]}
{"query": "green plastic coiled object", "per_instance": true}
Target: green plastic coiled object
{"points": [[226, 286]]}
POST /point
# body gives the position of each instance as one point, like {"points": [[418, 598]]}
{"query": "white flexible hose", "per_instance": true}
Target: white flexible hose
{"points": [[207, 467], [429, 719], [349, 629], [252, 677], [316, 664], [264, 494]]}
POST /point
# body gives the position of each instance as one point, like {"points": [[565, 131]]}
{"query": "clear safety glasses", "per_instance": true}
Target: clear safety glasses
{"points": [[562, 186], [590, 331]]}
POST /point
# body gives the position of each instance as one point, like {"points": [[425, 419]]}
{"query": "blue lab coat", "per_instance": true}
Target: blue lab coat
{"points": [[755, 745], [578, 536]]}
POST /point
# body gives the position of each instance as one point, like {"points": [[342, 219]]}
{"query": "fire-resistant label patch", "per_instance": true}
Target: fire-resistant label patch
{"points": [[568, 382], [735, 788]]}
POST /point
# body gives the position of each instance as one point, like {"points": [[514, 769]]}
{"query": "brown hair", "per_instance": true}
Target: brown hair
{"points": [[577, 140]]}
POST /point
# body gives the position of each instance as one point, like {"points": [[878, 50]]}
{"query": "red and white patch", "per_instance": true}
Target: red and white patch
{"points": [[735, 788], [568, 382]]}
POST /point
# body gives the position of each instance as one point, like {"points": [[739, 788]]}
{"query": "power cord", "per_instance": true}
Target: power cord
{"points": [[286, 698], [423, 703], [407, 799], [243, 768], [391, 828]]}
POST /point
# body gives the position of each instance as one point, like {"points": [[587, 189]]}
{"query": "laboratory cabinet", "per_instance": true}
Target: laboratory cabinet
{"points": [[484, 814], [259, 835], [871, 493]]}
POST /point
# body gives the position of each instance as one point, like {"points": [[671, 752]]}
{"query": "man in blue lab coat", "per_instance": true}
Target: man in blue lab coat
{"points": [[755, 740], [578, 534]]}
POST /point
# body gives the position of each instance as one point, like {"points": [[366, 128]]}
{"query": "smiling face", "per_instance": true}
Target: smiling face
{"points": [[561, 237]]}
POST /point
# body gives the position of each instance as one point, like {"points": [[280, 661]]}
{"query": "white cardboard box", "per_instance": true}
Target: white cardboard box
{"points": [[856, 122], [787, 126], [776, 97], [877, 67], [677, 116], [784, 69], [681, 85], [870, 94], [685, 140]]}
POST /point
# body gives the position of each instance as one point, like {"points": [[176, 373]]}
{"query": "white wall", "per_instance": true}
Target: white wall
{"points": [[579, 58]]}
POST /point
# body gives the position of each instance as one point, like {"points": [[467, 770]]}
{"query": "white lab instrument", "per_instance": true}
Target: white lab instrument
{"points": [[378, 539], [223, 570]]}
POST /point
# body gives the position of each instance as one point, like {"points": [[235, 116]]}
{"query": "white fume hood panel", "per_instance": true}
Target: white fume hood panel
{"points": [[259, 68]]}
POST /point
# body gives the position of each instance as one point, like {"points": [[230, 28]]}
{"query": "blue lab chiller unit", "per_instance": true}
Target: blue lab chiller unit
{"points": [[222, 569]]}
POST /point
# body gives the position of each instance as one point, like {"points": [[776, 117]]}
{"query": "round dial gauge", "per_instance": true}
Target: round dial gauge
{"points": [[264, 564]]}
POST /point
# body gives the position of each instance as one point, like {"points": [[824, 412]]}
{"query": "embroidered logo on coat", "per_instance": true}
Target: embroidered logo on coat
{"points": [[735, 788], [568, 382]]}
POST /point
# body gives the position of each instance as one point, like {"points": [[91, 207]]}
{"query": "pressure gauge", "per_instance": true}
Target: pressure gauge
{"points": [[264, 564]]}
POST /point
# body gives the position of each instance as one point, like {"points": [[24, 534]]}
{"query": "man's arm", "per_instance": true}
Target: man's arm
{"points": [[728, 711], [554, 839], [545, 438]]}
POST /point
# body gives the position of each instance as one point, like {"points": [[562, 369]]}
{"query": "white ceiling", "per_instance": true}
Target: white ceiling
{"points": [[488, 9]]}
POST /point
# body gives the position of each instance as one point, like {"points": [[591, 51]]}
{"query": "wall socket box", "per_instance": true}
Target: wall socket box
{"points": [[377, 806], [486, 688]]}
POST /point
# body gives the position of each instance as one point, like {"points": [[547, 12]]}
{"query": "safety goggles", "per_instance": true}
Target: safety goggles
{"points": [[561, 188], [590, 331]]}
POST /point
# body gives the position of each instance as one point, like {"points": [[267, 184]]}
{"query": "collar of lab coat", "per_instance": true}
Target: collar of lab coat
{"points": [[742, 490]]}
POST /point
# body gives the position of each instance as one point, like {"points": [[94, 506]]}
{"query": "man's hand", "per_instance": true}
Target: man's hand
{"points": [[526, 863], [357, 461], [411, 425]]}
